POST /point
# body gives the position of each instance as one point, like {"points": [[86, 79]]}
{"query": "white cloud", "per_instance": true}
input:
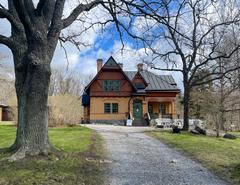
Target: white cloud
{"points": [[84, 61]]}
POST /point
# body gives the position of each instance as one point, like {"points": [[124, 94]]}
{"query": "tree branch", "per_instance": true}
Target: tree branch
{"points": [[23, 14], [56, 23], [78, 10], [40, 6], [162, 69], [4, 13], [7, 41], [219, 76]]}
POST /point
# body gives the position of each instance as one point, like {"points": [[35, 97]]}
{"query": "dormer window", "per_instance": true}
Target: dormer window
{"points": [[140, 85], [111, 85]]}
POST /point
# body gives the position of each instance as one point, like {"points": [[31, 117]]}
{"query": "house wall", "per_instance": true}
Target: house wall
{"points": [[86, 113], [138, 79], [96, 88], [97, 108]]}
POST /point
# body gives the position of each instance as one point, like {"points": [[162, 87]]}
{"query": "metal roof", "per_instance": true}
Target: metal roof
{"points": [[155, 82]]}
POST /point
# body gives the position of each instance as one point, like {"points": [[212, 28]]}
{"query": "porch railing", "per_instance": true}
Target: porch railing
{"points": [[168, 122]]}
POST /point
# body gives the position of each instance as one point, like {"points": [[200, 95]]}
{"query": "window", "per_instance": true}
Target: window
{"points": [[110, 108], [139, 85], [115, 108], [107, 108], [111, 85], [163, 108], [150, 109]]}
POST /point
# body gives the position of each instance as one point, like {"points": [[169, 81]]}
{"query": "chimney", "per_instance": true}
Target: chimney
{"points": [[99, 64], [120, 65], [140, 67]]}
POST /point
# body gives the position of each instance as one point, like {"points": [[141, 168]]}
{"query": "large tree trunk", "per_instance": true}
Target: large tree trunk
{"points": [[32, 83], [186, 99], [186, 111], [221, 105]]}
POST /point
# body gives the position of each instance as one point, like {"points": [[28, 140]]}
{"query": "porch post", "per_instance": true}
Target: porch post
{"points": [[174, 113], [145, 106]]}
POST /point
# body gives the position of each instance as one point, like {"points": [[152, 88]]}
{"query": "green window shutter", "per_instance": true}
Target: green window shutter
{"points": [[115, 108], [107, 108]]}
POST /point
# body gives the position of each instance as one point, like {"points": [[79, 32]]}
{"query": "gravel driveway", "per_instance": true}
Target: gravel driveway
{"points": [[138, 159]]}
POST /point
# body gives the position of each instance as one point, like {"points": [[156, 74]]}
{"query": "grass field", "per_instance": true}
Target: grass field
{"points": [[220, 155], [79, 165]]}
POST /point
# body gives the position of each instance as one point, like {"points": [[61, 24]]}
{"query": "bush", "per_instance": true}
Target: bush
{"points": [[65, 110]]}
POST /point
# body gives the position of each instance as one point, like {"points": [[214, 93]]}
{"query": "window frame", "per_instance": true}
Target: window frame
{"points": [[111, 85], [105, 112], [163, 108], [112, 108]]}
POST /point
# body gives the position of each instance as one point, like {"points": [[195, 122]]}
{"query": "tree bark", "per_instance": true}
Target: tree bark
{"points": [[186, 99], [221, 105], [32, 83]]}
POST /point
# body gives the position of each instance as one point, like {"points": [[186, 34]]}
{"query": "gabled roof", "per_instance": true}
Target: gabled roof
{"points": [[110, 64], [138, 73], [155, 82]]}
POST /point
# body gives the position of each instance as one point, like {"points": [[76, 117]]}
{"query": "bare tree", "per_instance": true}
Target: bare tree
{"points": [[228, 84], [183, 36], [35, 31], [6, 81], [67, 82]]}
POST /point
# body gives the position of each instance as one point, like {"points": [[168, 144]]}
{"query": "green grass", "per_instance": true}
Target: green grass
{"points": [[79, 144], [222, 156]]}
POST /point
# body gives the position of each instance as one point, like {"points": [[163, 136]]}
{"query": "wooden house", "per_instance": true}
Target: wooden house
{"points": [[114, 95]]}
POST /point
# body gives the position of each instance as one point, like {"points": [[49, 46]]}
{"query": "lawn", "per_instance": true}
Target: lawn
{"points": [[220, 155], [80, 163]]}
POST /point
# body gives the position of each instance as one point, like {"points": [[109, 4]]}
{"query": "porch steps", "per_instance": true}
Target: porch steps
{"points": [[139, 122]]}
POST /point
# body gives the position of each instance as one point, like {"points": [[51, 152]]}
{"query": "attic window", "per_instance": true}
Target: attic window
{"points": [[111, 85], [139, 85]]}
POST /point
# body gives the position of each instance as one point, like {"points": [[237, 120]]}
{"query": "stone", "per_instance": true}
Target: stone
{"points": [[159, 126], [200, 130], [176, 129], [194, 132], [173, 161], [229, 136]]}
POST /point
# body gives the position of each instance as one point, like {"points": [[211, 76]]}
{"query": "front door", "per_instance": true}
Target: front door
{"points": [[137, 109]]}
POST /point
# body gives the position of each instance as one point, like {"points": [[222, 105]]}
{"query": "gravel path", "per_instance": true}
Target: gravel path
{"points": [[138, 159]]}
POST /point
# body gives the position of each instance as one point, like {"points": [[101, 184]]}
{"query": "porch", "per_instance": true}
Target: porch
{"points": [[160, 110], [150, 108]]}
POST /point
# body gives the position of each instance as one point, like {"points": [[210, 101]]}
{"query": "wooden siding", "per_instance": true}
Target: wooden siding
{"points": [[138, 79], [97, 108], [96, 88], [162, 94]]}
